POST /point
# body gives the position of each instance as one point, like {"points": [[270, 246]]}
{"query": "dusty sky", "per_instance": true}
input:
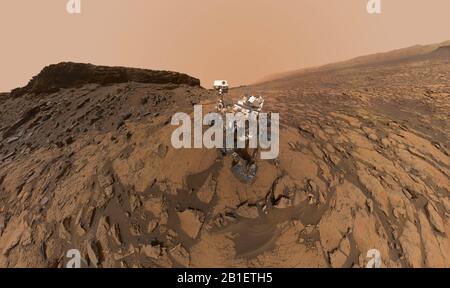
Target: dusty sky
{"points": [[238, 40]]}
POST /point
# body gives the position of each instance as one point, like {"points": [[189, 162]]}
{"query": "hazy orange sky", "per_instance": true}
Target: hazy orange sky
{"points": [[238, 40]]}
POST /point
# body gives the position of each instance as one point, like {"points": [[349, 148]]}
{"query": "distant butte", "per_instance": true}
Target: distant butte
{"points": [[69, 74]]}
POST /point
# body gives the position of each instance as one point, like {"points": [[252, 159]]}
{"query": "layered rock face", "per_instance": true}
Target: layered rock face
{"points": [[68, 74]]}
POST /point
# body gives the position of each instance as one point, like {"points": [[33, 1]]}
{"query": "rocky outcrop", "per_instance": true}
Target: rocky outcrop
{"points": [[68, 74]]}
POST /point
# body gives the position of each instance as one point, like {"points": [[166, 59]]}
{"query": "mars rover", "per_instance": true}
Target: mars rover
{"points": [[244, 164]]}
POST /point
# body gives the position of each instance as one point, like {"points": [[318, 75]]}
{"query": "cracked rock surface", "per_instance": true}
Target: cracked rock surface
{"points": [[364, 164]]}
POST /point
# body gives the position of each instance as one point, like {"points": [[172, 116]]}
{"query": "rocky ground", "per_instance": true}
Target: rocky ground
{"points": [[364, 164]]}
